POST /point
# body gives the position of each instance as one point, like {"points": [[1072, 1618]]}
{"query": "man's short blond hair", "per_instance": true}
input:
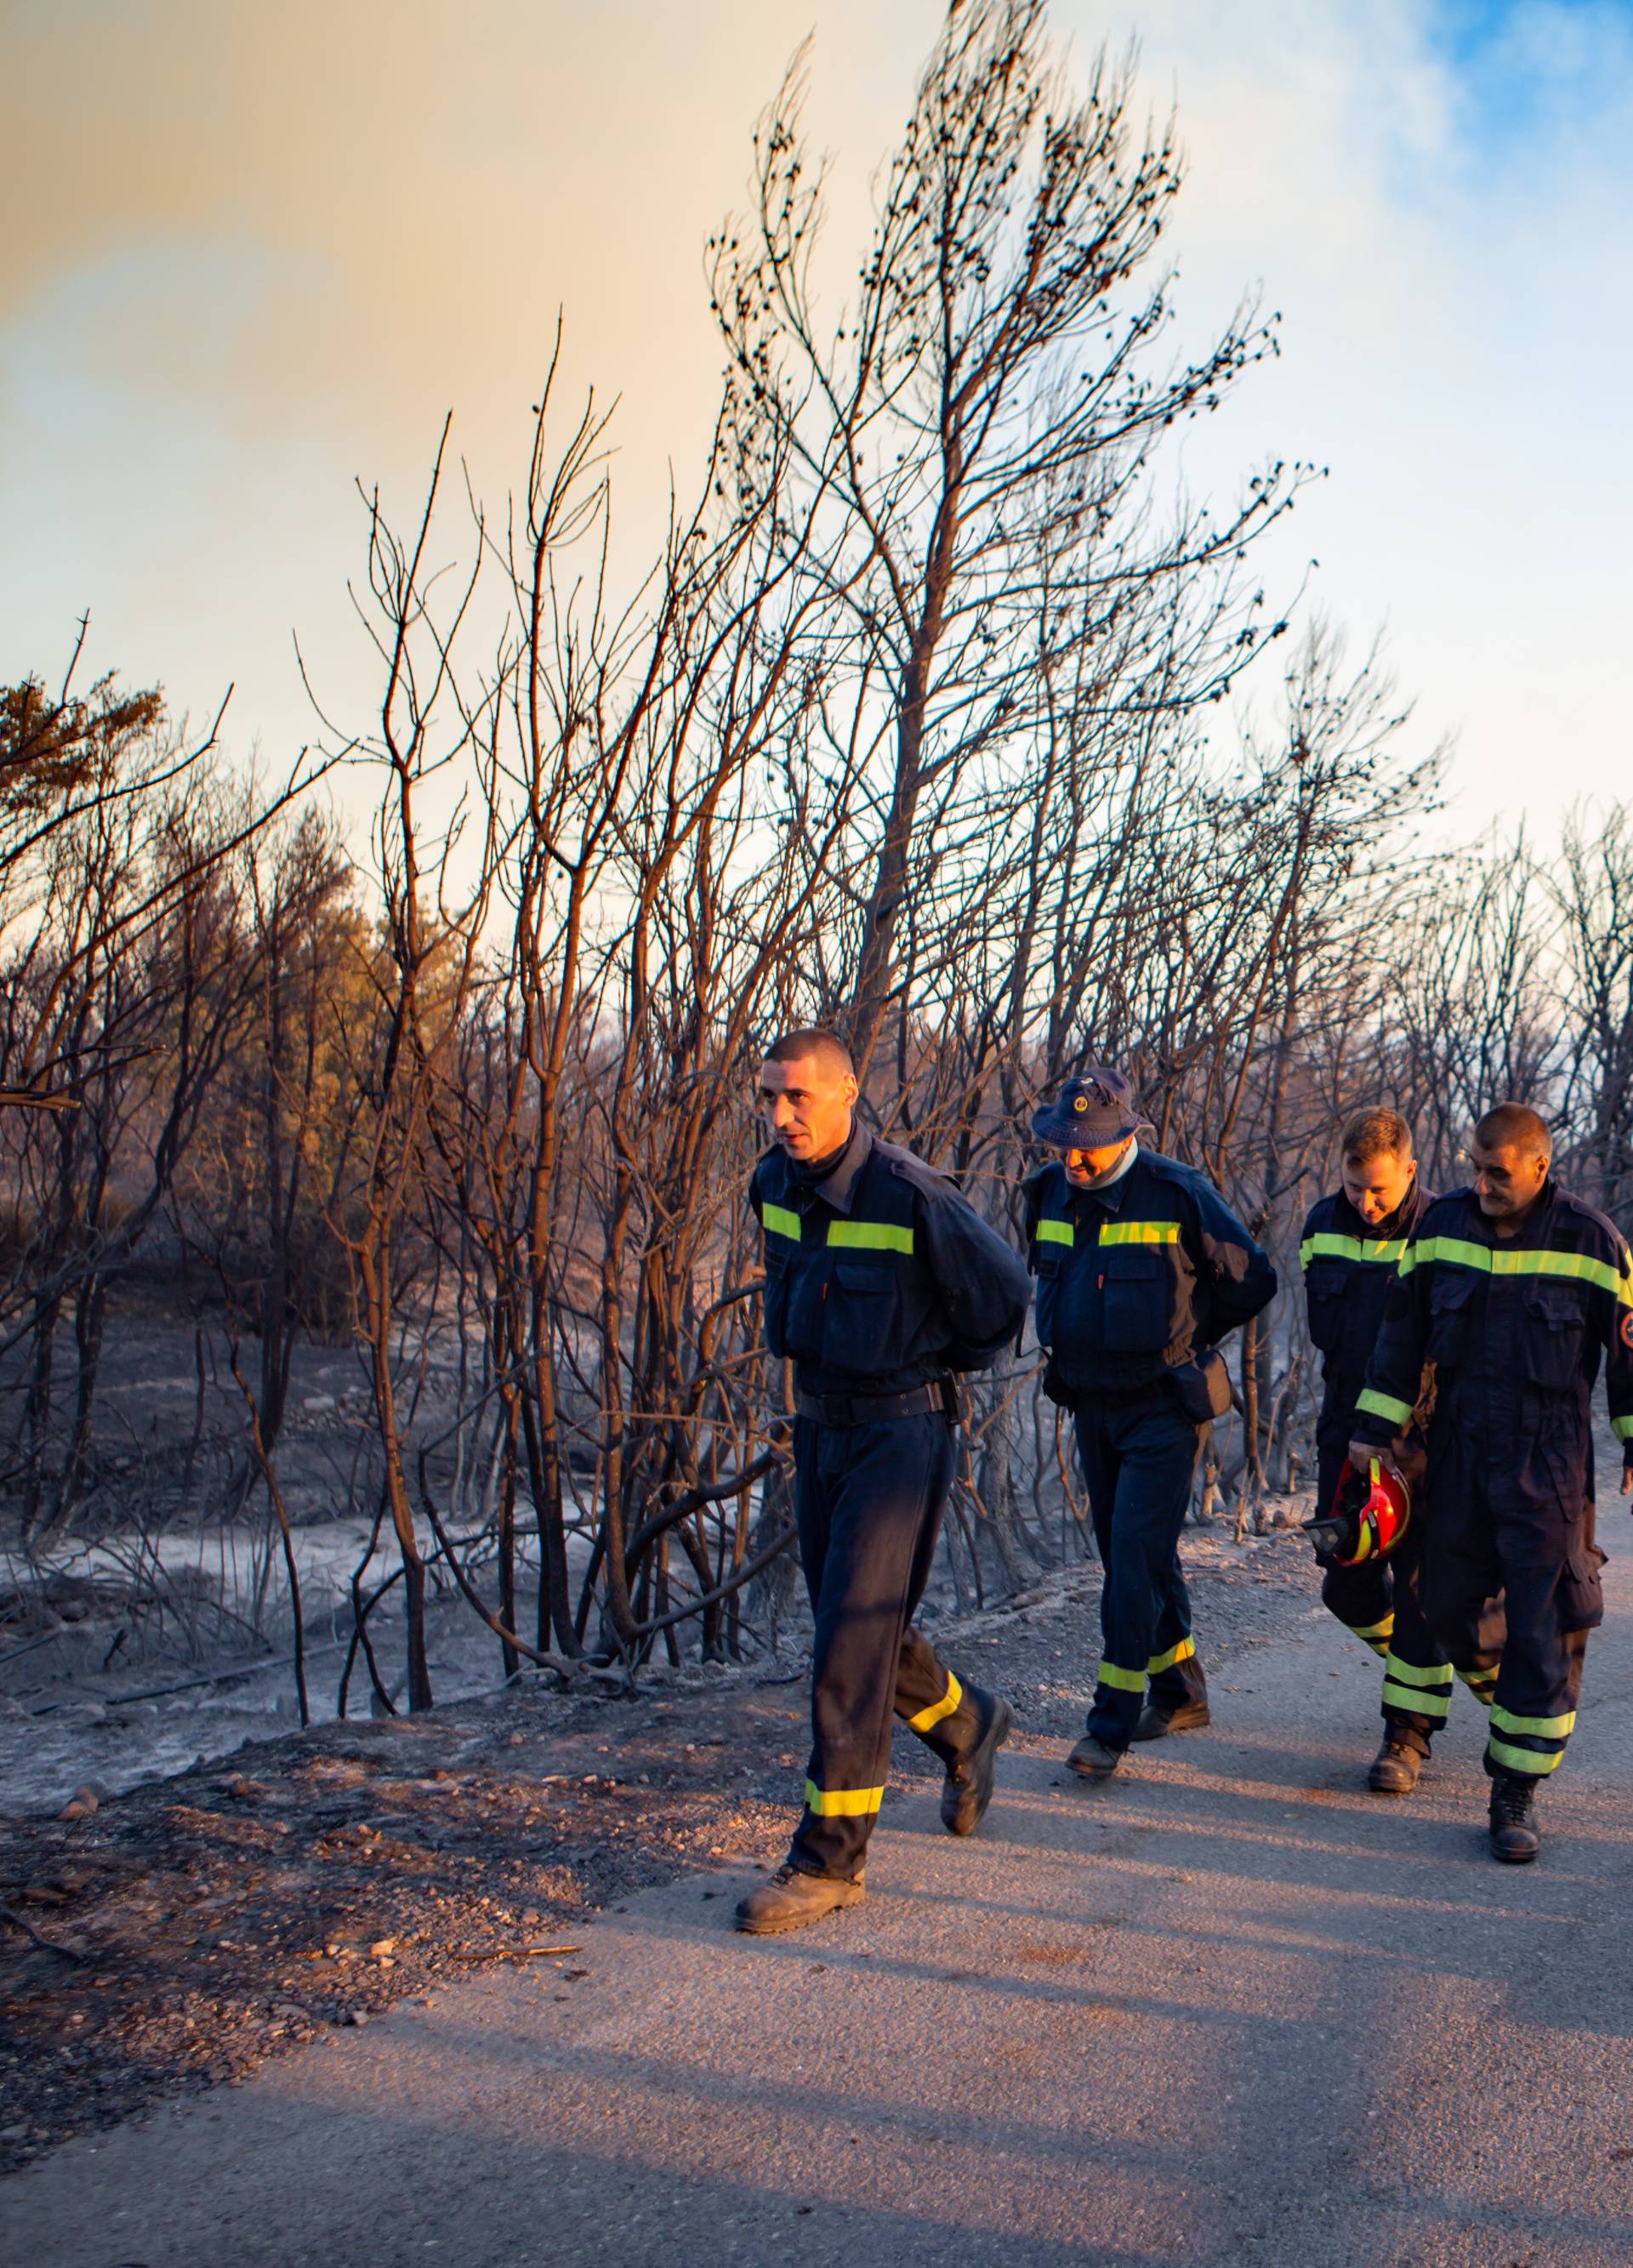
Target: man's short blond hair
{"points": [[1375, 1132]]}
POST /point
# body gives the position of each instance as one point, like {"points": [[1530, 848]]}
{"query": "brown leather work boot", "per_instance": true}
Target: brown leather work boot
{"points": [[1155, 1724], [1393, 1771], [792, 1899], [968, 1785]]}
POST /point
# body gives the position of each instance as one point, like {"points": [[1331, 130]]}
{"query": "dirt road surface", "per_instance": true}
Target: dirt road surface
{"points": [[1228, 2009]]}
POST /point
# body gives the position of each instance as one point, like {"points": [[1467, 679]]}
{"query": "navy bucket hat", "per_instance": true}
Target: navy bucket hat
{"points": [[1090, 1113]]}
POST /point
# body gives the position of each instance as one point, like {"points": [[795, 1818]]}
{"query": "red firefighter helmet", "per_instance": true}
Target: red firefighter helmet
{"points": [[1370, 1512]]}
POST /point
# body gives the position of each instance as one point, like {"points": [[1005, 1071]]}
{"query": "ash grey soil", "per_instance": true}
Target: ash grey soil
{"points": [[226, 1915]]}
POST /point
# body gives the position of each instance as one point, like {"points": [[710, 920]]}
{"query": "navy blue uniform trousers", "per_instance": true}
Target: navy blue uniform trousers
{"points": [[869, 1501], [1138, 1460], [1382, 1603], [1489, 1533]]}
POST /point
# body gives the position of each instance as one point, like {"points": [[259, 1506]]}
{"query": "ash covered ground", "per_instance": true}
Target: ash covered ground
{"points": [[176, 1934]]}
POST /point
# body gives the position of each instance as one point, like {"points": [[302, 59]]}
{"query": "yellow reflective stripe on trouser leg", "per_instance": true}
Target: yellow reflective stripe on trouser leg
{"points": [[1552, 1731], [1126, 1681], [1183, 1652], [1481, 1684], [1436, 1678], [937, 1710], [1528, 1761], [1543, 1728], [842, 1802], [1372, 1631], [1377, 1635], [1425, 1692]]}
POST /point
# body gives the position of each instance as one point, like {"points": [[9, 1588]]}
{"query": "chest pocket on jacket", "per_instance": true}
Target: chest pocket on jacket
{"points": [[1449, 1312], [1552, 1339], [1326, 1282], [861, 1315], [1137, 1298], [781, 1258]]}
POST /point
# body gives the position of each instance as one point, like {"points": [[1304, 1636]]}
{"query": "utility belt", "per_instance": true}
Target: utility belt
{"points": [[940, 1399], [1201, 1387]]}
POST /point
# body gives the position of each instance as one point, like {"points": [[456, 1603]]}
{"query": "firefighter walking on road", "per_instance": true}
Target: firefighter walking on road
{"points": [[1352, 1244], [882, 1283], [1141, 1270], [1513, 1291]]}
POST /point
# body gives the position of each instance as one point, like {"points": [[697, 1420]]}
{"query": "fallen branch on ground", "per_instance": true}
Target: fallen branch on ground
{"points": [[16, 1920]]}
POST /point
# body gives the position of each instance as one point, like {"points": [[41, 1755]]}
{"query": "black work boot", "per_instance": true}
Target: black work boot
{"points": [[1155, 1722], [792, 1899], [1092, 1759], [1514, 1827], [1393, 1771], [968, 1785]]}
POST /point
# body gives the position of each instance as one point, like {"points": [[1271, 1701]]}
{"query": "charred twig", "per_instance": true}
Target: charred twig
{"points": [[518, 1953], [17, 1921]]}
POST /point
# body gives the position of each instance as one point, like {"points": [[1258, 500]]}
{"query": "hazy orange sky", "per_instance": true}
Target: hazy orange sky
{"points": [[248, 254]]}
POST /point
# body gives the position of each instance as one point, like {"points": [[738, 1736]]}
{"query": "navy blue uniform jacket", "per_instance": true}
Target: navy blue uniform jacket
{"points": [[1137, 1278], [1516, 1330], [1350, 1270], [892, 1281]]}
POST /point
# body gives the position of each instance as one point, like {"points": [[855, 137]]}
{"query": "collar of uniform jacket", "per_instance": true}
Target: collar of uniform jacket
{"points": [[1110, 1194], [840, 1186]]}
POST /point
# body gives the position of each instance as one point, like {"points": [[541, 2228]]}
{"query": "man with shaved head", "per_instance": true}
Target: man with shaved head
{"points": [[881, 1282], [1512, 1292]]}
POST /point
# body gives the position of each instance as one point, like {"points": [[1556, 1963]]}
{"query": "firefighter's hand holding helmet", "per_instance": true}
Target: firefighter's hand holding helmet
{"points": [[1402, 1456], [1369, 1513]]}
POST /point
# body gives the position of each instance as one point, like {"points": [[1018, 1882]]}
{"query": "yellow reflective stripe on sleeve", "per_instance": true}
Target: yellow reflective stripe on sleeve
{"points": [[1521, 1760], [937, 1710], [1414, 1700], [1055, 1232], [1139, 1231], [1437, 1678], [778, 1221], [1544, 1728], [1325, 1245], [869, 1236], [1623, 1428], [1126, 1681], [1183, 1652], [1578, 1267], [842, 1802], [1383, 1405]]}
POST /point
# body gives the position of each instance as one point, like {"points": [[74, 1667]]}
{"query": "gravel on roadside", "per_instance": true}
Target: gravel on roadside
{"points": [[183, 1933]]}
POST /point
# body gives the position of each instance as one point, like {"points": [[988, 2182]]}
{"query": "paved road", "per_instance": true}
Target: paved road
{"points": [[1228, 2009]]}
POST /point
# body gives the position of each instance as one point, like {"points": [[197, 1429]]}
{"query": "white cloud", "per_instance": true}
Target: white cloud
{"points": [[287, 239]]}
